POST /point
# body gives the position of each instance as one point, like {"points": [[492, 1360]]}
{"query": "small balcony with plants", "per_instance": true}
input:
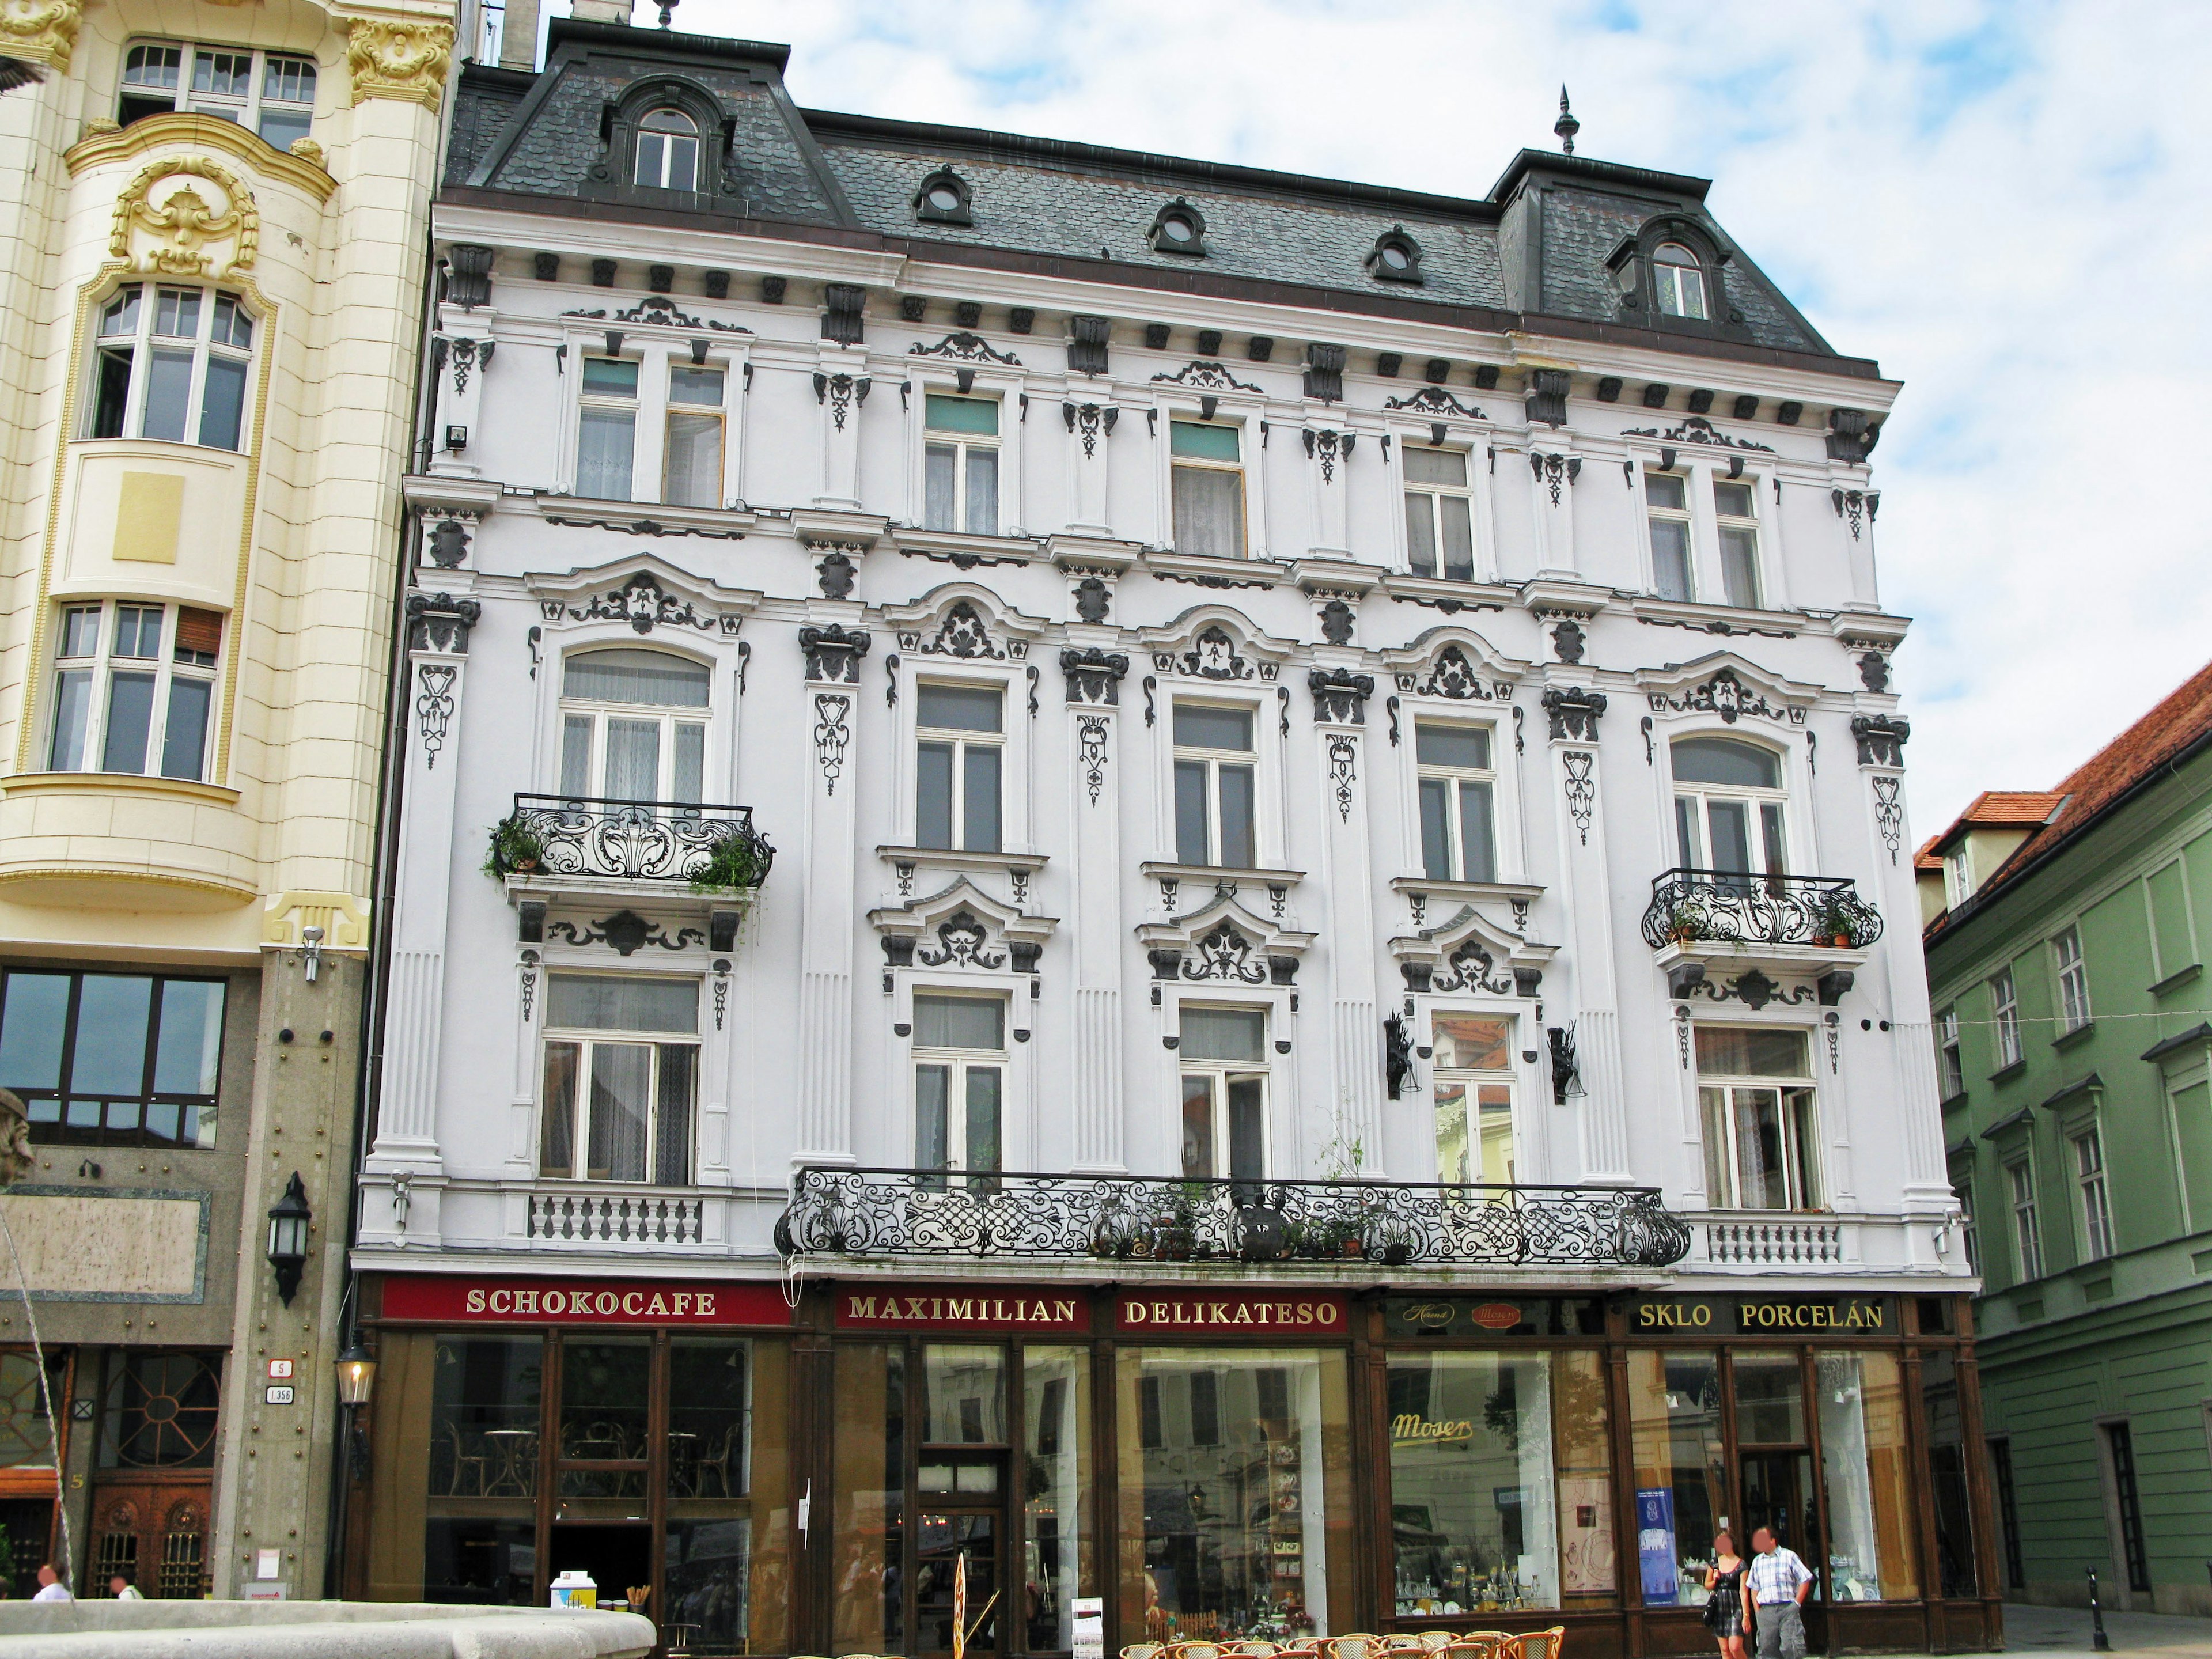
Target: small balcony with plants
{"points": [[1702, 923], [655, 855]]}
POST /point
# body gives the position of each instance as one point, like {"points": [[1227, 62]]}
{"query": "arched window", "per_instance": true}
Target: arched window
{"points": [[1681, 283], [1729, 807], [633, 727], [668, 151], [172, 363]]}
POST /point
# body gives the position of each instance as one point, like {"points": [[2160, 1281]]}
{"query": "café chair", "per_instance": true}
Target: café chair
{"points": [[1539, 1644]]}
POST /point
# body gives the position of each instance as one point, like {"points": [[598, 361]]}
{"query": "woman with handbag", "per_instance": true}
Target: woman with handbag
{"points": [[1724, 1597]]}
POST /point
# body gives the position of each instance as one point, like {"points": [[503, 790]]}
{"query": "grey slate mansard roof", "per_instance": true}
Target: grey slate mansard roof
{"points": [[1537, 244]]}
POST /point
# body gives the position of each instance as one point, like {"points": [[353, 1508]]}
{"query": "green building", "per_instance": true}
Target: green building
{"points": [[2065, 933]]}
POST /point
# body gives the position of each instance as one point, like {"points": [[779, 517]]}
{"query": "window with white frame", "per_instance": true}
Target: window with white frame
{"points": [[1730, 813], [1970, 1232], [1761, 1122], [634, 726], [667, 150], [1206, 461], [1224, 1092], [1958, 875], [2074, 1012], [1951, 1063], [2026, 1228], [959, 1081], [2173, 928], [1439, 513], [2004, 998], [171, 363], [272, 94], [1680, 282], [2096, 1198], [621, 1071], [691, 464], [960, 464], [134, 689], [960, 767], [1457, 786], [607, 432], [1667, 510], [1473, 1094], [1735, 509], [1215, 784]]}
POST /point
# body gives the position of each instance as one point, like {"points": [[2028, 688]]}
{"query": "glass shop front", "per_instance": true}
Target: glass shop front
{"points": [[1162, 1463]]}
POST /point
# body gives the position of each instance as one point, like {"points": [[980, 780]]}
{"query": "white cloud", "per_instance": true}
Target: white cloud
{"points": [[2002, 201]]}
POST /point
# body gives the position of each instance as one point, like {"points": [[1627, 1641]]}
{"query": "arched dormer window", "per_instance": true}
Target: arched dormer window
{"points": [[1680, 282], [1731, 807], [668, 151]]}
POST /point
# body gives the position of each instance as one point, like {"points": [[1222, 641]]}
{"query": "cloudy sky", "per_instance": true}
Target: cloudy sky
{"points": [[2002, 201]]}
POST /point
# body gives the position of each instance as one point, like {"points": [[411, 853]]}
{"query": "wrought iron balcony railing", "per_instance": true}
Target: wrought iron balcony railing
{"points": [[1690, 907], [927, 1213], [708, 846]]}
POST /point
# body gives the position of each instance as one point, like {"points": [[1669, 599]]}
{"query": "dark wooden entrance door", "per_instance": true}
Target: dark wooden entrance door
{"points": [[153, 1531]]}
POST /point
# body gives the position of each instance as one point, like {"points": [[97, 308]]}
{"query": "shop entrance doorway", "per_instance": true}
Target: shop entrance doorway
{"points": [[619, 1558]]}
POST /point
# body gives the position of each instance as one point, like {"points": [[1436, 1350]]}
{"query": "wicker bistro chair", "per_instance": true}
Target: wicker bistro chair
{"points": [[1250, 1649], [1357, 1645], [1436, 1641], [1478, 1644], [1144, 1650], [1405, 1642], [1538, 1644], [1196, 1649]]}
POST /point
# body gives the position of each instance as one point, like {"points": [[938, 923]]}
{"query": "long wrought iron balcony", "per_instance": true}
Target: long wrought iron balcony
{"points": [[878, 1212], [1718, 907], [713, 847]]}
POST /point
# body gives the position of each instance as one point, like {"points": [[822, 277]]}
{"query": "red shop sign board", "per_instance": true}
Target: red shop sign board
{"points": [[1020, 1309], [1198, 1313], [465, 1299]]}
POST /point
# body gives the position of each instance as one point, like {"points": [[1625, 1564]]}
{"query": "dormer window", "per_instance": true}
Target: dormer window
{"points": [[668, 151], [1395, 257], [1680, 281], [1178, 227], [943, 199]]}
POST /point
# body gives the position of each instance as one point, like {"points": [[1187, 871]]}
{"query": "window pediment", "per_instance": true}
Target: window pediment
{"points": [[1455, 664], [961, 926], [1469, 952], [1223, 942], [1213, 642], [1729, 686], [648, 593], [966, 622]]}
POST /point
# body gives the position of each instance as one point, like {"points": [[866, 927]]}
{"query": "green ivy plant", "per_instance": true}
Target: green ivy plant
{"points": [[515, 848], [734, 861]]}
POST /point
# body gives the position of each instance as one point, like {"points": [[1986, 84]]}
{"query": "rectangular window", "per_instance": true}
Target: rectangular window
{"points": [[278, 102], [1682, 1470], [606, 440], [1501, 1481], [1761, 1127], [2074, 1012], [959, 754], [2125, 1496], [621, 1064], [2008, 1513], [2172, 930], [1951, 1064], [1208, 480], [692, 468], [1872, 1497], [960, 464], [1958, 1573], [113, 1059], [151, 708], [1473, 1095], [1439, 514], [174, 370], [1225, 1092], [1970, 1231], [1214, 787], [1735, 506], [617, 744], [1057, 1492], [1667, 507], [2096, 1199], [2004, 998], [1456, 784], [2026, 1229], [959, 1081]]}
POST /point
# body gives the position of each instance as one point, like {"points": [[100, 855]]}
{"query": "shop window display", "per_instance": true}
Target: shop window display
{"points": [[1681, 1472], [1058, 1563], [1501, 1483], [1236, 1515], [1871, 1551]]}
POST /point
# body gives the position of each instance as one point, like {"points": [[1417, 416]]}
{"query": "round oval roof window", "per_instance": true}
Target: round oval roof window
{"points": [[1394, 256], [1177, 228], [944, 198]]}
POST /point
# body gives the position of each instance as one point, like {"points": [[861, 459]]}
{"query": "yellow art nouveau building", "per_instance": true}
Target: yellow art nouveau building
{"points": [[212, 257]]}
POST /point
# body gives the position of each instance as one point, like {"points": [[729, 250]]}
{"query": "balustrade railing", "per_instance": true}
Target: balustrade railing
{"points": [[928, 1213], [630, 840], [1792, 1241], [1690, 907], [614, 1218]]}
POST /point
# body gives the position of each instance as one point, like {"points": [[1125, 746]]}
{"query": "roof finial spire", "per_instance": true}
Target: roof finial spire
{"points": [[1566, 126]]}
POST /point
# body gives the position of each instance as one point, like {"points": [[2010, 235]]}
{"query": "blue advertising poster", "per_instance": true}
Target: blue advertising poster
{"points": [[1655, 1545]]}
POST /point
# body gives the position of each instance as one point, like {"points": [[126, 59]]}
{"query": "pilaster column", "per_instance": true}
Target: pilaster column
{"points": [[834, 647], [842, 387], [1329, 451], [1555, 470], [1340, 712], [1090, 428], [1094, 675]]}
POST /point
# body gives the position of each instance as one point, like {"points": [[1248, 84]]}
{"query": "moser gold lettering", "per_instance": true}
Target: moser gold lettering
{"points": [[1410, 1428]]}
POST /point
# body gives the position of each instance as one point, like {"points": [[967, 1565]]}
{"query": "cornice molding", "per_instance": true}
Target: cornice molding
{"points": [[205, 132]]}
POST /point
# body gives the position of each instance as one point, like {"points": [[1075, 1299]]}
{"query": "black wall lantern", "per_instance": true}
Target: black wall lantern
{"points": [[288, 1237]]}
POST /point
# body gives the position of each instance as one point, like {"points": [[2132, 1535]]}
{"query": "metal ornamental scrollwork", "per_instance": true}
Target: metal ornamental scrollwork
{"points": [[1582, 789], [874, 1213], [434, 708], [625, 840], [627, 931], [1698, 906], [643, 604], [1888, 814], [1727, 696], [830, 735], [961, 938]]}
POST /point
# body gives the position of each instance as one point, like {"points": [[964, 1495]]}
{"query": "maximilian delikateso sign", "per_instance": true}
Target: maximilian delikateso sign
{"points": [[1763, 1316]]}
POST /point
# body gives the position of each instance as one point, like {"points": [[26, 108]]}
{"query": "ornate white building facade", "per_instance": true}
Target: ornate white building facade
{"points": [[1094, 727]]}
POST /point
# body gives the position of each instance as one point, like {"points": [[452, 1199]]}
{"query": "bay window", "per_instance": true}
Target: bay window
{"points": [[959, 753], [1473, 1092], [960, 464], [1214, 785], [1761, 1127], [606, 438], [621, 1070], [633, 727], [1225, 1092], [134, 689], [960, 1061], [1729, 806], [271, 92], [171, 363], [692, 463], [1458, 842], [1206, 462], [1439, 513]]}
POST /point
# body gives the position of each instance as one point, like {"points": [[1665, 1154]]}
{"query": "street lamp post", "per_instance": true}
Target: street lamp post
{"points": [[356, 1377]]}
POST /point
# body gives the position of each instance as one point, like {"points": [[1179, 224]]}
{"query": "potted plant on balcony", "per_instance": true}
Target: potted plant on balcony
{"points": [[1832, 927], [735, 860], [516, 849], [1684, 925]]}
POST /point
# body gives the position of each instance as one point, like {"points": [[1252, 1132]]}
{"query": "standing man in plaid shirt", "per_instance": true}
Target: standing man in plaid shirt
{"points": [[1775, 1589]]}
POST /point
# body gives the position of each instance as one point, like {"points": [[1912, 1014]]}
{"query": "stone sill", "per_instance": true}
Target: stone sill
{"points": [[123, 783]]}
